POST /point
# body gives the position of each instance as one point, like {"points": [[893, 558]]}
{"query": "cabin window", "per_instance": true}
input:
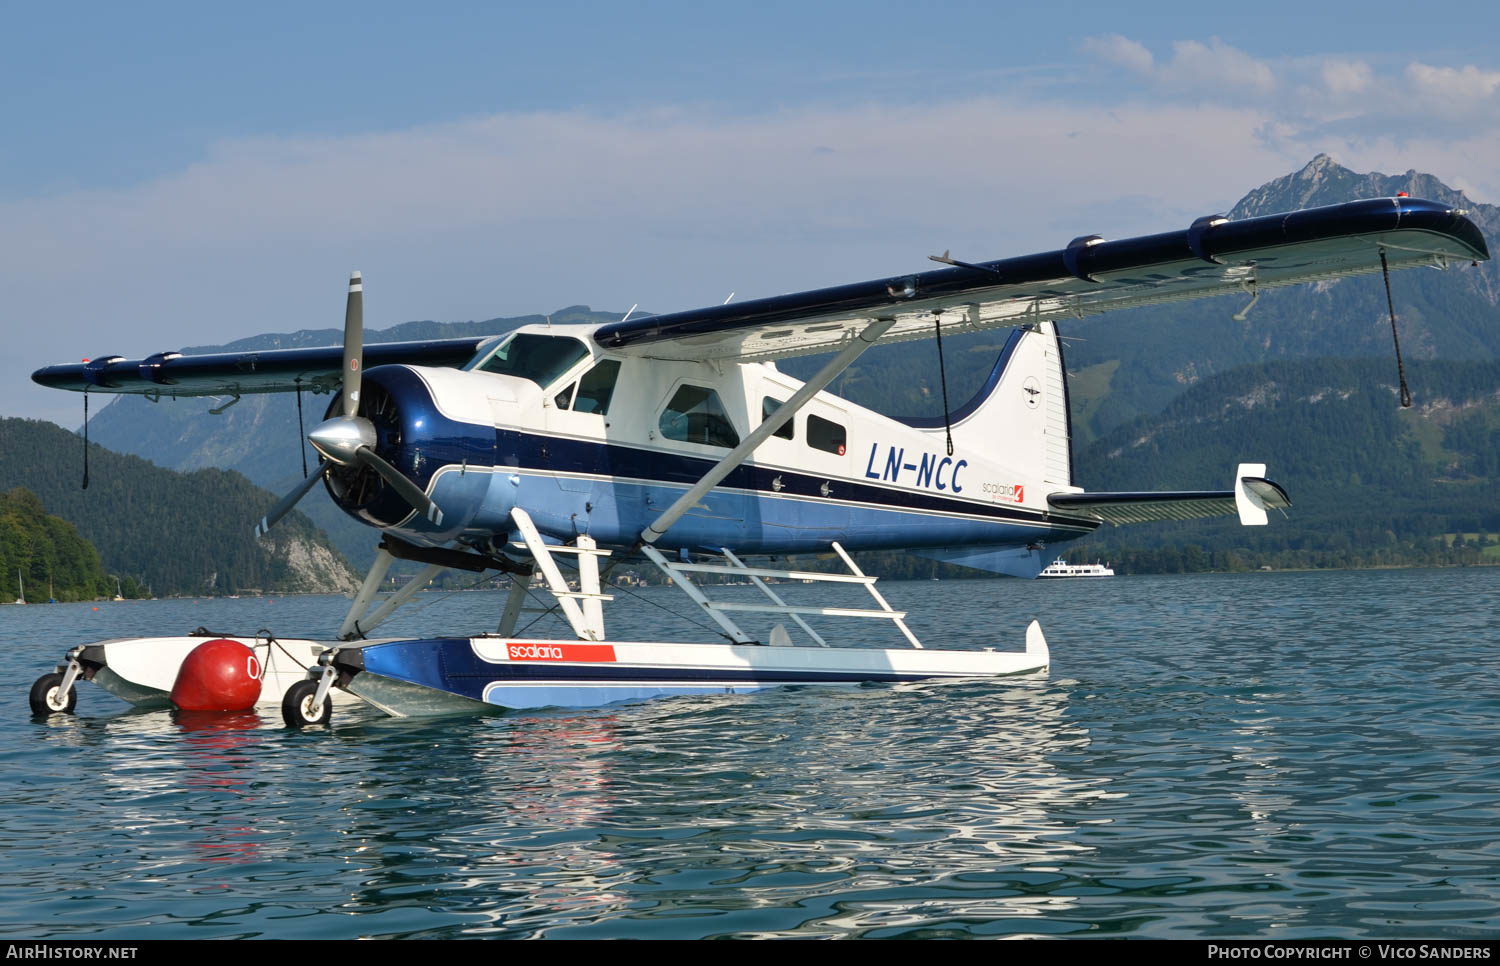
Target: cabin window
{"points": [[564, 399], [540, 358], [826, 435], [769, 406], [695, 415], [596, 387]]}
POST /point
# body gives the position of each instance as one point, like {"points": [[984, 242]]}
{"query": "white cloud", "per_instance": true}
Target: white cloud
{"points": [[1193, 69], [1331, 102], [1341, 77], [1216, 65], [1465, 83], [1114, 49]]}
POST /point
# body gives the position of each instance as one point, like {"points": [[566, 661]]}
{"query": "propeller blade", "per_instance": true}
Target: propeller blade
{"points": [[354, 343], [404, 487], [290, 500]]}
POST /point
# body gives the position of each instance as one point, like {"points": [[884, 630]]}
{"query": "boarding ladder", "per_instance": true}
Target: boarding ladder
{"points": [[719, 610]]}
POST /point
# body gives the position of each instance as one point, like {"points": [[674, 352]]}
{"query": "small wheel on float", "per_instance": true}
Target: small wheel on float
{"points": [[47, 697], [298, 709]]}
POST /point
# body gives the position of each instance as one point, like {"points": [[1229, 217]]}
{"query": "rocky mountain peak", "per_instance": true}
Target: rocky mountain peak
{"points": [[1316, 166], [1323, 181]]}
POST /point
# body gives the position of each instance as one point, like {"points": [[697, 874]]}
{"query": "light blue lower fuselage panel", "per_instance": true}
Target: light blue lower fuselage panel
{"points": [[614, 512]]}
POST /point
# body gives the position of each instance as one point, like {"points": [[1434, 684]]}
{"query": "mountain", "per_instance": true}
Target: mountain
{"points": [[178, 533], [44, 555], [1370, 483]]}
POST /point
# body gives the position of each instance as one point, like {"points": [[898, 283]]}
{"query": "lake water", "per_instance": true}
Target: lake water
{"points": [[1264, 755]]}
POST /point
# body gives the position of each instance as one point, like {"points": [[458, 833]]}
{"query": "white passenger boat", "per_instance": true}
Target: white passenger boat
{"points": [[1061, 568]]}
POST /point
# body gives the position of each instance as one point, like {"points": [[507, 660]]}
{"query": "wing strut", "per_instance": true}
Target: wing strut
{"points": [[867, 337], [1385, 270]]}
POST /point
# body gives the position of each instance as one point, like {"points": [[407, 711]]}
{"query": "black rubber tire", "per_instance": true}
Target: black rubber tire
{"points": [[44, 696], [297, 709]]}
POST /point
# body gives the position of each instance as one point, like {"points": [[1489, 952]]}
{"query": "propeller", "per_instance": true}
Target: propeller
{"points": [[405, 488], [290, 500], [354, 343], [349, 439]]}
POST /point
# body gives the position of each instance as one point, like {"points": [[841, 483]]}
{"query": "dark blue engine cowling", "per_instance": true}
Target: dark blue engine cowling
{"points": [[418, 440]]}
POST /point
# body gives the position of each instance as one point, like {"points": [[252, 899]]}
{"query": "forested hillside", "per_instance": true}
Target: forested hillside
{"points": [[44, 555], [1371, 483], [178, 533]]}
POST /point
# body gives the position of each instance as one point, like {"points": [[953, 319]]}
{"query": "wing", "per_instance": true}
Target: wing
{"points": [[235, 373], [1214, 256]]}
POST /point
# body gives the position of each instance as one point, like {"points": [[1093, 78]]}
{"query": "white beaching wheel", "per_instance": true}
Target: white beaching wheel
{"points": [[47, 697], [298, 708]]}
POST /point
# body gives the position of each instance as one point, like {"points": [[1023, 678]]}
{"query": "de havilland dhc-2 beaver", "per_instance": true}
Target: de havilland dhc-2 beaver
{"points": [[676, 439]]}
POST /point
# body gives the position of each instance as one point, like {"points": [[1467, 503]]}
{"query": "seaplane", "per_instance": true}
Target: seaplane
{"points": [[674, 441]]}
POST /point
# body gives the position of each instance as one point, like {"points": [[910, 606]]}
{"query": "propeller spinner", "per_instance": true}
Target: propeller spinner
{"points": [[349, 439]]}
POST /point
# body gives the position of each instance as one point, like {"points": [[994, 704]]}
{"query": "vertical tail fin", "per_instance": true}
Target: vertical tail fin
{"points": [[1020, 414]]}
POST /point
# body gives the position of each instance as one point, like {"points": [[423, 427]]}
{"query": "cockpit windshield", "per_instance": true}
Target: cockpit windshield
{"points": [[540, 358]]}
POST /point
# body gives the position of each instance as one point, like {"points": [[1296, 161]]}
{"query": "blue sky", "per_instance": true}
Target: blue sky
{"points": [[186, 174]]}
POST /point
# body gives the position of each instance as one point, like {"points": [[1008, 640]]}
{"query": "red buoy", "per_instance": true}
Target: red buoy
{"points": [[219, 675]]}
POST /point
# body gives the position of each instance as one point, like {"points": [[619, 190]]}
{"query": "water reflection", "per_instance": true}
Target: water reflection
{"points": [[807, 807]]}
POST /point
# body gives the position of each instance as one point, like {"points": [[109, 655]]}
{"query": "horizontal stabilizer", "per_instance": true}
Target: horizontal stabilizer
{"points": [[1148, 507]]}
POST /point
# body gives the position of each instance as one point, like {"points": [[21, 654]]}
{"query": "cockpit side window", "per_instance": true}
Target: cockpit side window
{"points": [[596, 387], [540, 358], [695, 415]]}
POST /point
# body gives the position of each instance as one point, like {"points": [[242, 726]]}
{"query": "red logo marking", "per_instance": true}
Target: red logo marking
{"points": [[560, 652]]}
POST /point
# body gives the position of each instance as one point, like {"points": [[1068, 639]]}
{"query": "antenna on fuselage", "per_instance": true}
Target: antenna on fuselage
{"points": [[728, 300], [632, 309]]}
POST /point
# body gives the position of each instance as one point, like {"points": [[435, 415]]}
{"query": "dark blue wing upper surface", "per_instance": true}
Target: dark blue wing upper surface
{"points": [[1213, 256]]}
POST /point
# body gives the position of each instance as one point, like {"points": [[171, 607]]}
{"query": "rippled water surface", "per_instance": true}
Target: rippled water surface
{"points": [[1283, 755]]}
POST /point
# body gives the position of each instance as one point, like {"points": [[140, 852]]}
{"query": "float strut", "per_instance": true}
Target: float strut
{"points": [[71, 672], [326, 679]]}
